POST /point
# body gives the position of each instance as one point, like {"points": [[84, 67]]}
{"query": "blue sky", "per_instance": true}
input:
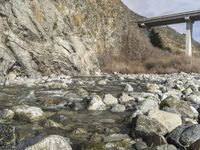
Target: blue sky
{"points": [[152, 8]]}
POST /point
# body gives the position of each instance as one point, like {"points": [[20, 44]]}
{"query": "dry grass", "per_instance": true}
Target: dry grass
{"points": [[163, 64]]}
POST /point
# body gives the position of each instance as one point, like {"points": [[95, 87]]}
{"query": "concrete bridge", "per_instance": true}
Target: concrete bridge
{"points": [[187, 17]]}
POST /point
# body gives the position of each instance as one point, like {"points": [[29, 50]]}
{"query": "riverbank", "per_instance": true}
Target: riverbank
{"points": [[101, 112]]}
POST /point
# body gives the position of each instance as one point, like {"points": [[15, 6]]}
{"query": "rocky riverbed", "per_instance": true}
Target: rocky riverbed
{"points": [[111, 112]]}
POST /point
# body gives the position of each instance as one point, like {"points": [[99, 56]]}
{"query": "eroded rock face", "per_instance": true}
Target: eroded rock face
{"points": [[61, 36]]}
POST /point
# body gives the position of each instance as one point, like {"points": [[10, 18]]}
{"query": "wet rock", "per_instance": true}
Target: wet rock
{"points": [[52, 124], [7, 114], [174, 136], [116, 137], [169, 120], [49, 101], [181, 107], [190, 135], [128, 88], [79, 131], [110, 100], [7, 136], [96, 103], [118, 108], [125, 98], [54, 142], [143, 126], [28, 113]]}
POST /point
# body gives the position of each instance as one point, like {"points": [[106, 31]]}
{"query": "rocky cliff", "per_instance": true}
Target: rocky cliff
{"points": [[43, 37], [60, 36]]}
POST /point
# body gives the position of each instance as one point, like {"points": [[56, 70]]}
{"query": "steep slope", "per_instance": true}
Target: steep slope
{"points": [[175, 41], [62, 36]]}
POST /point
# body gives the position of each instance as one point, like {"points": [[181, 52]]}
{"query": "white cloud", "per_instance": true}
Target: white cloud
{"points": [[151, 8]]}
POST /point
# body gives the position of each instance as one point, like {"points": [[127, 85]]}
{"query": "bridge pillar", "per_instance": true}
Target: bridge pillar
{"points": [[146, 29], [188, 43]]}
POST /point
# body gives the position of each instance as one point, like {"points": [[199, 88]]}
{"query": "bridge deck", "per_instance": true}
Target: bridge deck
{"points": [[170, 19]]}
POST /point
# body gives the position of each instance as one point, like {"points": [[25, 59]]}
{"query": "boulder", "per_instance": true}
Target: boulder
{"points": [[143, 126], [190, 135], [174, 136], [96, 103], [181, 107], [28, 113], [52, 142], [169, 120]]}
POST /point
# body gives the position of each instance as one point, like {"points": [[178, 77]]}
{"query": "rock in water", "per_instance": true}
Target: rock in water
{"points": [[29, 113], [96, 103], [110, 100], [52, 142]]}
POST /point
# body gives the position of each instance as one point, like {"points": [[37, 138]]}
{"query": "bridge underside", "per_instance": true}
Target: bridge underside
{"points": [[188, 17]]}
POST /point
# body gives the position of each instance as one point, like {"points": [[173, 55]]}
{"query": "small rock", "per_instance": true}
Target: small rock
{"points": [[128, 88], [169, 120], [52, 124], [125, 98], [52, 142], [110, 100], [102, 82], [154, 139], [96, 103], [118, 108], [79, 131], [29, 113], [7, 114], [116, 137], [151, 86], [187, 91], [143, 126]]}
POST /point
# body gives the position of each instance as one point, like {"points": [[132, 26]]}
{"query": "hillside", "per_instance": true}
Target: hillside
{"points": [[67, 36]]}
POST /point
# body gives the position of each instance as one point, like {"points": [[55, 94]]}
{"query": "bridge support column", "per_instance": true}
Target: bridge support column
{"points": [[188, 43], [146, 29]]}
